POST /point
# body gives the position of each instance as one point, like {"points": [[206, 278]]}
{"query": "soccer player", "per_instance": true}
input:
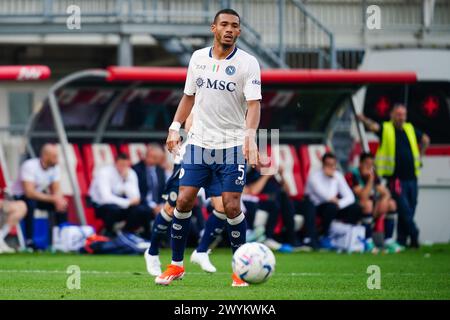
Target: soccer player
{"points": [[223, 89], [213, 228]]}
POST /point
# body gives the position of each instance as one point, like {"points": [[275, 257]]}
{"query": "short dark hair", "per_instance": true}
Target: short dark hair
{"points": [[122, 156], [226, 11], [328, 155], [365, 155], [398, 105]]}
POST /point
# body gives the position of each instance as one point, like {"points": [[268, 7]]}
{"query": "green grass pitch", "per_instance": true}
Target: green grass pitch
{"points": [[421, 274]]}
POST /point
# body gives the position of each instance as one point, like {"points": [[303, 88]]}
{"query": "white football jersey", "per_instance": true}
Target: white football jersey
{"points": [[221, 89], [31, 170]]}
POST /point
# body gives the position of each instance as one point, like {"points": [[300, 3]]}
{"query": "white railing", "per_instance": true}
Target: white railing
{"points": [[282, 25]]}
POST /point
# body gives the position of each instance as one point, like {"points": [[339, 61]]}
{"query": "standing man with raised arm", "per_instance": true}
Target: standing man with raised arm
{"points": [[399, 160]]}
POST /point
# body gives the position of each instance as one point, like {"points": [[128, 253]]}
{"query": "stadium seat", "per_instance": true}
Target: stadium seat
{"points": [[288, 159], [2, 182], [77, 165], [373, 146], [311, 158], [353, 160], [97, 155]]}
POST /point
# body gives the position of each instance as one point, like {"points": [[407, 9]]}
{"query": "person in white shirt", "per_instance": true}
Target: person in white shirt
{"points": [[331, 195], [38, 185], [115, 195]]}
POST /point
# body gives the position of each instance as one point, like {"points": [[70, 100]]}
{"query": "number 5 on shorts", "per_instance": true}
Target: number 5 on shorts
{"points": [[242, 171]]}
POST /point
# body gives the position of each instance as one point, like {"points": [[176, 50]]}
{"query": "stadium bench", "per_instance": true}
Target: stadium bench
{"points": [[77, 165], [286, 157]]}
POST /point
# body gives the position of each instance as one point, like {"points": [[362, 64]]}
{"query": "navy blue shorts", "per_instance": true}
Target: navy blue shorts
{"points": [[200, 166], [170, 194]]}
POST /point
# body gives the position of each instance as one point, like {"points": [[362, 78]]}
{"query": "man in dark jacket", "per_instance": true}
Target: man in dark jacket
{"points": [[152, 179]]}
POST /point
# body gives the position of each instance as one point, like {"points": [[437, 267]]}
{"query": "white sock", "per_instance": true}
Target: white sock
{"points": [[182, 215], [165, 215], [236, 220], [4, 231], [220, 215], [177, 263]]}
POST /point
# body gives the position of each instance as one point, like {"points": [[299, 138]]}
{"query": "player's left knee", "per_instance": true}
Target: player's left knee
{"points": [[232, 210]]}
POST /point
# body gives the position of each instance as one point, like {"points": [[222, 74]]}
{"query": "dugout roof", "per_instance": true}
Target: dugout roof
{"points": [[138, 103]]}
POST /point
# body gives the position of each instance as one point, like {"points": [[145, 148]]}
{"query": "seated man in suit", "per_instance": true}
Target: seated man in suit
{"points": [[152, 178], [115, 196]]}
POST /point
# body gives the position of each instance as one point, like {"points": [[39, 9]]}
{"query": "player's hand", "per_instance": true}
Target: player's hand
{"points": [[334, 200], [173, 141], [60, 203], [135, 202], [250, 150]]}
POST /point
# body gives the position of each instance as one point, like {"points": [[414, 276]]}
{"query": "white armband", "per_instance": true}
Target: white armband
{"points": [[176, 126]]}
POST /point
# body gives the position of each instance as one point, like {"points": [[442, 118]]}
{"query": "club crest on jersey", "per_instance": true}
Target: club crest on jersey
{"points": [[230, 70], [200, 82]]}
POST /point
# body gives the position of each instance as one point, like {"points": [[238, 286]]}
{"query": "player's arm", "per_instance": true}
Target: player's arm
{"points": [[31, 193], [59, 201], [252, 122], [347, 196], [55, 189], [364, 192], [369, 123], [183, 111], [188, 122], [252, 93]]}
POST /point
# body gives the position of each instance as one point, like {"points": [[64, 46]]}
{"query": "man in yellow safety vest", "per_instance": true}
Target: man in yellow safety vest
{"points": [[399, 160]]}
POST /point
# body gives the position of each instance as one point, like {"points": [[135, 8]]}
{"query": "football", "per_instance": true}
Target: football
{"points": [[254, 262]]}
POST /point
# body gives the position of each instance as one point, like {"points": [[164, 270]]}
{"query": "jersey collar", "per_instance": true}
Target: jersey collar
{"points": [[228, 57]]}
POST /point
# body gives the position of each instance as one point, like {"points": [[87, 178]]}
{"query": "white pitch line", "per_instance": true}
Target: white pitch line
{"points": [[131, 272], [293, 274]]}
